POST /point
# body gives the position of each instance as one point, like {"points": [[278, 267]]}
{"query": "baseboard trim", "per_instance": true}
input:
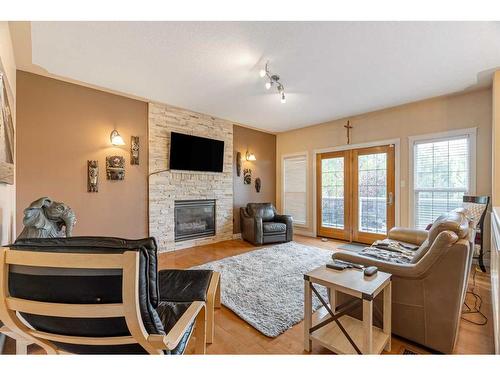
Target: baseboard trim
{"points": [[486, 261], [302, 232]]}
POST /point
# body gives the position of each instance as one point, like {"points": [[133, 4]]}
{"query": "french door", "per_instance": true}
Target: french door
{"points": [[355, 197]]}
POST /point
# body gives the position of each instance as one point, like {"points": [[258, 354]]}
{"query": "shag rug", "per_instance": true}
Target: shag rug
{"points": [[265, 287]]}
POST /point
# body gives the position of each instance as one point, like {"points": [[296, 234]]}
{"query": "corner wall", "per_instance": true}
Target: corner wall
{"points": [[467, 110], [8, 192], [61, 126], [263, 145], [495, 201]]}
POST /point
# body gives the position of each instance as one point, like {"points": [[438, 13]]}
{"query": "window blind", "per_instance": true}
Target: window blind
{"points": [[441, 177], [294, 188]]}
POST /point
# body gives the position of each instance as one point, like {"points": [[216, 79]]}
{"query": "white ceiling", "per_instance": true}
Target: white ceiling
{"points": [[330, 69]]}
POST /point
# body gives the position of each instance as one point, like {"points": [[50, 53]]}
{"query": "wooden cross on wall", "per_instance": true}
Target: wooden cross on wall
{"points": [[348, 129]]}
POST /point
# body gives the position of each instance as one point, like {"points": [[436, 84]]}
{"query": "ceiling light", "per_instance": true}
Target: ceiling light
{"points": [[116, 139], [273, 79]]}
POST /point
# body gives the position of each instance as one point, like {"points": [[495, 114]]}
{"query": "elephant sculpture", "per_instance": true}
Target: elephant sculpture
{"points": [[45, 218]]}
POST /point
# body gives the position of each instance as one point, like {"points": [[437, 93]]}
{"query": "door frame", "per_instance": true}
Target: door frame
{"points": [[366, 237], [397, 174], [338, 233]]}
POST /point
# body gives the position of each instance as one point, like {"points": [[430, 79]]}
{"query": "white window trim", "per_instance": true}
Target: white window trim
{"points": [[283, 208], [397, 173], [470, 132]]}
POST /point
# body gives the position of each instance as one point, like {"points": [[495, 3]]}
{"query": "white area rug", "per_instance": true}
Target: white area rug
{"points": [[265, 287]]}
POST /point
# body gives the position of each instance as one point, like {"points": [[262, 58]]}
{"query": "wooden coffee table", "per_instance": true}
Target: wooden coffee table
{"points": [[337, 331]]}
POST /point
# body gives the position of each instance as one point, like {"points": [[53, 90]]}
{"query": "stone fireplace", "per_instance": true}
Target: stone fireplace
{"points": [[167, 189], [194, 219]]}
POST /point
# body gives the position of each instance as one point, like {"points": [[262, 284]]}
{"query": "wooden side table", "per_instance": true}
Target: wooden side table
{"points": [[337, 331]]}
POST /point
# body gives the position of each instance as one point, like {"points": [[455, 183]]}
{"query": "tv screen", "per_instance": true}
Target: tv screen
{"points": [[191, 153]]}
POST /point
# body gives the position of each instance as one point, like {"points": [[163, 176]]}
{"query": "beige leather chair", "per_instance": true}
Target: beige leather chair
{"points": [[429, 290]]}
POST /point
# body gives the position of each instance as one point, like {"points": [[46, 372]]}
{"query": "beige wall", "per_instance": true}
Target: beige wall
{"points": [[60, 127], [430, 116], [496, 140], [263, 145], [8, 192]]}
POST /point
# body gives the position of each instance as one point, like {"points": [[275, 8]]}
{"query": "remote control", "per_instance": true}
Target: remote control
{"points": [[370, 271], [336, 266]]}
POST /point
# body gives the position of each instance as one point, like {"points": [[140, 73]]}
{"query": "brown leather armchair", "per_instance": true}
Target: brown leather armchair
{"points": [[429, 290], [260, 224]]}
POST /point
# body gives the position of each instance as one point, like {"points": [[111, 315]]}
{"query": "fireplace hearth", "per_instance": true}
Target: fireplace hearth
{"points": [[194, 219]]}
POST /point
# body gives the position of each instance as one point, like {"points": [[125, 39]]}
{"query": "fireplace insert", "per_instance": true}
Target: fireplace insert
{"points": [[194, 219]]}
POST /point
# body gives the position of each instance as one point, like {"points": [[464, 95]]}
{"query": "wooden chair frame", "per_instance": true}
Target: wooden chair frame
{"points": [[213, 302], [128, 262]]}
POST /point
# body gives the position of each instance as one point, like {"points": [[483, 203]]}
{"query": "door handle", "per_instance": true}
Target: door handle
{"points": [[390, 199]]}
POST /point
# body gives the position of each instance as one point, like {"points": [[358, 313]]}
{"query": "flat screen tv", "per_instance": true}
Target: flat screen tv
{"points": [[191, 153]]}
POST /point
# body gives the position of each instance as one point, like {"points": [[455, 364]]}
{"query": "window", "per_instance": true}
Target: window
{"points": [[443, 171], [295, 187]]}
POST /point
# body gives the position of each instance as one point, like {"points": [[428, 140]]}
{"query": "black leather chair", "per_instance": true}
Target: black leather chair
{"points": [[261, 224], [168, 303]]}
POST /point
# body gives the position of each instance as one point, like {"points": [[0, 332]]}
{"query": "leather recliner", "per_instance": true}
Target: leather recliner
{"points": [[163, 295], [428, 291], [261, 224]]}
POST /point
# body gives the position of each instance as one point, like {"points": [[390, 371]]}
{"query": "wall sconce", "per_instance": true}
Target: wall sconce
{"points": [[250, 156], [116, 139]]}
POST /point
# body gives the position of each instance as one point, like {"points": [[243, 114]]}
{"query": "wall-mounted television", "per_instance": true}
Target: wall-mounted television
{"points": [[191, 153]]}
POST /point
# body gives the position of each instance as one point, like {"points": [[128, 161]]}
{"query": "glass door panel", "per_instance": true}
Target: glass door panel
{"points": [[373, 179], [332, 182], [332, 193], [355, 194], [372, 193]]}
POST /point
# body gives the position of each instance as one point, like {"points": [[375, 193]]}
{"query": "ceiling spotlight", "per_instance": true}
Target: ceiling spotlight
{"points": [[273, 79]]}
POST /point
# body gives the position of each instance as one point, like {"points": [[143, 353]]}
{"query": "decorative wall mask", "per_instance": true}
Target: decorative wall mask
{"points": [[92, 176], [134, 150], [238, 164], [258, 184], [115, 167], [247, 176], [6, 137]]}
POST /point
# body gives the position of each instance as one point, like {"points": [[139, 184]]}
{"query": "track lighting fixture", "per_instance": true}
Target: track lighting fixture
{"points": [[273, 80]]}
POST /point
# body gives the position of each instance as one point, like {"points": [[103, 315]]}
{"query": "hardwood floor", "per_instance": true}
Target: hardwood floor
{"points": [[234, 336]]}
